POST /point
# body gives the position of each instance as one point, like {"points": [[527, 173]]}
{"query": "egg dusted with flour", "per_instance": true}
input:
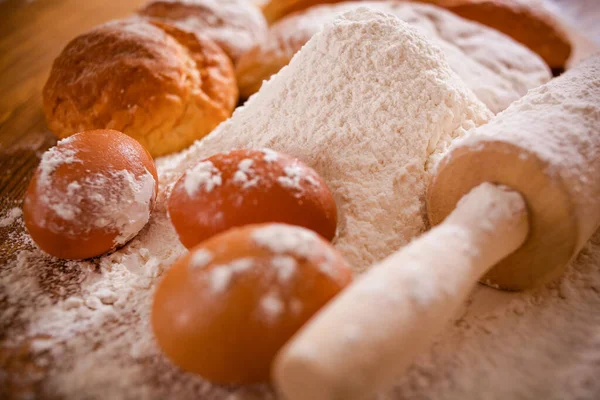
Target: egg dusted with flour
{"points": [[249, 186], [224, 310], [91, 193]]}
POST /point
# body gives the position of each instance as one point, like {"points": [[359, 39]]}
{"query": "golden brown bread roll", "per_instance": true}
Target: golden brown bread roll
{"points": [[235, 25], [156, 83], [526, 21], [495, 67]]}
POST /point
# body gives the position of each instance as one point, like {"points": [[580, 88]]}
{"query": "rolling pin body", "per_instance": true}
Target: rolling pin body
{"points": [[487, 224], [546, 146]]}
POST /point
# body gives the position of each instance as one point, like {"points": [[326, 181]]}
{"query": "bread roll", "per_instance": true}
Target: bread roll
{"points": [[158, 84], [526, 21], [496, 68], [235, 25]]}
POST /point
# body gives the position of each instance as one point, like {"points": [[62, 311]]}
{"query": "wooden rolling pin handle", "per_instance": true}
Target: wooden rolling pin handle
{"points": [[406, 300]]}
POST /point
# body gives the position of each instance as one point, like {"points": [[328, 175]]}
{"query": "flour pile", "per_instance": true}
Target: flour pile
{"points": [[369, 104], [496, 68]]}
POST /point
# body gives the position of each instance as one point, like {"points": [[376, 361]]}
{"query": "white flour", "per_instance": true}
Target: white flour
{"points": [[87, 324], [242, 175], [202, 175], [201, 258], [366, 104], [280, 239], [271, 306], [10, 217]]}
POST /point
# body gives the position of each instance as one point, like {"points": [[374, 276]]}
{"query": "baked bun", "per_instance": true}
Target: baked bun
{"points": [[235, 25], [160, 85], [495, 67], [526, 21]]}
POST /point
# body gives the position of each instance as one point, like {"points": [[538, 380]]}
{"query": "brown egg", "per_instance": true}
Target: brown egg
{"points": [[244, 187], [91, 193], [225, 309]]}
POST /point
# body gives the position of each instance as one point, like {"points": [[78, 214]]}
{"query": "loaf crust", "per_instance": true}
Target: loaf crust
{"points": [[526, 21], [495, 67], [158, 84], [529, 23], [235, 25]]}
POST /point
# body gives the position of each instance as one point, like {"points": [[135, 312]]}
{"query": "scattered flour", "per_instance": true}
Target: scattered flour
{"points": [[292, 177], [54, 158], [285, 239], [117, 200], [201, 258], [286, 267], [241, 264], [220, 277], [244, 172], [202, 175], [131, 212], [269, 155], [86, 323], [271, 306], [10, 217]]}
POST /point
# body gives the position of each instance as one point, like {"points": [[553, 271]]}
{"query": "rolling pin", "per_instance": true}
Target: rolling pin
{"points": [[521, 195]]}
